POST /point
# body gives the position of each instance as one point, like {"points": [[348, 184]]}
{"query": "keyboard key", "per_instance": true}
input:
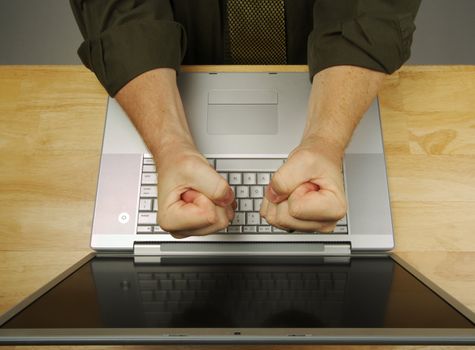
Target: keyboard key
{"points": [[166, 284], [257, 191], [264, 229], [147, 284], [224, 175], [253, 218], [245, 204], [144, 229], [242, 192], [211, 162], [155, 205], [341, 229], [148, 161], [148, 191], [249, 178], [180, 284], [145, 205], [239, 219], [149, 169], [147, 295], [158, 229], [263, 178], [264, 222], [257, 204], [342, 221], [276, 229], [248, 164], [234, 229], [249, 229], [149, 179], [235, 179], [147, 218], [174, 295]]}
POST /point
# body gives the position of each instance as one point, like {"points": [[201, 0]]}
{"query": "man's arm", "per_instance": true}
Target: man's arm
{"points": [[192, 198], [352, 46], [135, 49], [307, 192]]}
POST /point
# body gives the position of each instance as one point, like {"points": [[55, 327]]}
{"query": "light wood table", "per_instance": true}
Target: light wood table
{"points": [[51, 125]]}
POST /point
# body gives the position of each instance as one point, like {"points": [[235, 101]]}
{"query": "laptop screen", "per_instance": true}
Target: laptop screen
{"points": [[202, 293]]}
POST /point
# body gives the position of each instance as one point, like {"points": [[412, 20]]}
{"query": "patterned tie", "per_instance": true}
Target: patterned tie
{"points": [[256, 32]]}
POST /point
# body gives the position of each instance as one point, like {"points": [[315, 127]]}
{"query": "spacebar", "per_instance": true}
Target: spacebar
{"points": [[248, 164]]}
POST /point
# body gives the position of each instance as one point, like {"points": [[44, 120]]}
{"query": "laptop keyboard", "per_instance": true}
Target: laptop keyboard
{"points": [[247, 178], [249, 296]]}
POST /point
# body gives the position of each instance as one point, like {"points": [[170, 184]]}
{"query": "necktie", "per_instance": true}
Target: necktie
{"points": [[256, 32]]}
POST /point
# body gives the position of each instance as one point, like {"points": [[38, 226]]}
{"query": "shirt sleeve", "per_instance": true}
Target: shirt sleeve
{"points": [[125, 38], [374, 34]]}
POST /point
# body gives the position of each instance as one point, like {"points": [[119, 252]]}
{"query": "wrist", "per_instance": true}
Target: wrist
{"points": [[328, 148], [172, 146]]}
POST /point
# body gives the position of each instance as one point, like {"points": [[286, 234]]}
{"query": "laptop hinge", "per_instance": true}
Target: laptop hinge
{"points": [[208, 249]]}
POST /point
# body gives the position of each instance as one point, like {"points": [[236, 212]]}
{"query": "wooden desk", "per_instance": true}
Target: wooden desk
{"points": [[51, 125]]}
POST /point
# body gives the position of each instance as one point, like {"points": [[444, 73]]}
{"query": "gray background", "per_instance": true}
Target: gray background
{"points": [[44, 32]]}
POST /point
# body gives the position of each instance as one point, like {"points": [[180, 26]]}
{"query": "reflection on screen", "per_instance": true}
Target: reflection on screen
{"points": [[361, 292]]}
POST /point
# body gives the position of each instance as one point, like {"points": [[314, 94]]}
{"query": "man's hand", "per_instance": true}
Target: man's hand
{"points": [[306, 193], [193, 199]]}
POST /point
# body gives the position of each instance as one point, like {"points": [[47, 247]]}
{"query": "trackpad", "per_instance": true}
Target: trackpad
{"points": [[242, 119]]}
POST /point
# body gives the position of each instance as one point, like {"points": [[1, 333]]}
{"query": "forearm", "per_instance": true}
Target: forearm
{"points": [[339, 98], [152, 102]]}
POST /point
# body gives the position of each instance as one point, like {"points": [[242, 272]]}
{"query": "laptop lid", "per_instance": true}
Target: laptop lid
{"points": [[357, 299]]}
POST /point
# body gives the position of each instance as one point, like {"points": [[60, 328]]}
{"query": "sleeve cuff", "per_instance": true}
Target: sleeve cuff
{"points": [[381, 44], [123, 52]]}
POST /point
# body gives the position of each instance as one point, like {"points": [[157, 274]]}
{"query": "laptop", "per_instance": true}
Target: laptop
{"points": [[245, 124], [251, 283]]}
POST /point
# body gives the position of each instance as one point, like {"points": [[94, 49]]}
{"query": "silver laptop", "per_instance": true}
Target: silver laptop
{"points": [[252, 283], [245, 124]]}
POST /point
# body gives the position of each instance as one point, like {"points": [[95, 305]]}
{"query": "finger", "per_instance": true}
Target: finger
{"points": [[321, 205], [288, 177], [284, 219], [271, 216], [221, 223], [230, 212], [182, 215], [264, 206], [206, 180]]}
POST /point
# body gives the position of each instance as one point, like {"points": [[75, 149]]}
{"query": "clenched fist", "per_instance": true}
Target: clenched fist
{"points": [[306, 193], [193, 199]]}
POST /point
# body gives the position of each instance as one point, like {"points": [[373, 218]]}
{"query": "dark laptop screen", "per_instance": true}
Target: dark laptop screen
{"points": [[292, 293]]}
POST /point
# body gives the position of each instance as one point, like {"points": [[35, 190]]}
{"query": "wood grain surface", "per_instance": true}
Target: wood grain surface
{"points": [[51, 126]]}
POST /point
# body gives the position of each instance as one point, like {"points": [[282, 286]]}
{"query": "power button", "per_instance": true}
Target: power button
{"points": [[124, 218]]}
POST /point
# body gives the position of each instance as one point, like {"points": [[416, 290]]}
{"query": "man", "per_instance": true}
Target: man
{"points": [[135, 49]]}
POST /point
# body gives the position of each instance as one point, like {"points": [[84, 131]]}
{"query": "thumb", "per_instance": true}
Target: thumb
{"points": [[286, 179], [208, 182]]}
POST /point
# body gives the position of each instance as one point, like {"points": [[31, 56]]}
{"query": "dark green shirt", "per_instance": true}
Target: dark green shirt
{"points": [[125, 38]]}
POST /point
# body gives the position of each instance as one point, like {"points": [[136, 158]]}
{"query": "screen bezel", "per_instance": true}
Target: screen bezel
{"points": [[237, 335]]}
